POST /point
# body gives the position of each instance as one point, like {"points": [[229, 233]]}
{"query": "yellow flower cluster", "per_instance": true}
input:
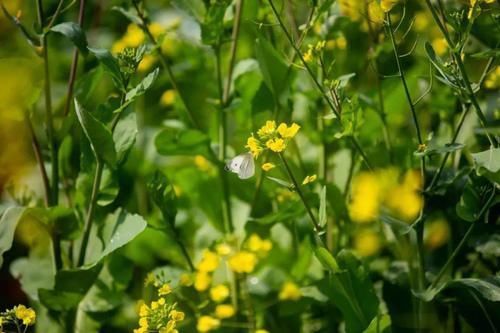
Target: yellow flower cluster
{"points": [[493, 79], [313, 49], [271, 137], [366, 242], [160, 315], [17, 316], [339, 42], [387, 5], [289, 292], [372, 190], [363, 10], [207, 324], [309, 179]]}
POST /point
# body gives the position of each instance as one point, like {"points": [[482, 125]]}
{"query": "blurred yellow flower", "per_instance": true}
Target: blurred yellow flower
{"points": [[144, 310], [165, 289], [493, 79], [289, 292], [243, 262], [366, 198], [27, 315], [156, 29], [202, 163], [288, 132], [134, 36], [257, 244], [254, 145], [219, 293], [387, 5], [168, 97], [224, 311], [268, 166], [261, 331], [421, 21], [437, 233], [146, 63], [309, 179], [308, 56], [185, 280], [177, 315], [367, 243], [202, 281], [276, 145], [440, 46], [268, 129], [207, 323], [223, 249], [209, 261], [405, 199]]}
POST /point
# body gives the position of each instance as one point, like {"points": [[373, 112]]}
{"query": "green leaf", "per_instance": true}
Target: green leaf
{"points": [[163, 195], [111, 66], [487, 163], [8, 225], [301, 266], [74, 33], [212, 27], [322, 207], [475, 199], [273, 67], [183, 142], [326, 259], [33, 273], [124, 136], [86, 84], [100, 138], [447, 148], [131, 16], [194, 7], [144, 85], [379, 324], [281, 182]]}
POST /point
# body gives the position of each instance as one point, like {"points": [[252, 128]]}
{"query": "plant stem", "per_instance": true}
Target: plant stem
{"points": [[91, 211], [317, 227], [316, 82], [74, 64]]}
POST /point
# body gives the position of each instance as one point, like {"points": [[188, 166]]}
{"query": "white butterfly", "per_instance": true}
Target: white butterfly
{"points": [[243, 165]]}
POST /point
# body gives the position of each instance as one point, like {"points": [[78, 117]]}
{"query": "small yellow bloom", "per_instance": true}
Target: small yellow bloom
{"points": [[309, 179], [202, 163], [207, 323], [219, 293], [366, 198], [243, 262], [134, 36], [177, 315], [422, 21], [320, 46], [164, 290], [156, 29], [254, 145], [405, 199], [154, 305], [268, 129], [143, 322], [387, 5], [185, 280], [223, 249], [268, 166], [141, 330], [170, 328], [437, 233], [261, 331], [150, 279], [168, 97], [144, 310], [209, 261], [289, 292], [27, 315], [440, 46], [341, 42], [146, 63], [276, 145], [224, 311], [493, 79], [257, 244], [308, 56], [367, 243], [288, 132], [202, 281]]}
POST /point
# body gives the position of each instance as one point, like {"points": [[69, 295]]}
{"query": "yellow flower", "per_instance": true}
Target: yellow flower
{"points": [[387, 5], [27, 315], [223, 311], [185, 280], [150, 279], [207, 323], [223, 249], [309, 179], [257, 244], [254, 145], [268, 166], [118, 46], [375, 12], [341, 42], [440, 46], [261, 331], [143, 322], [177, 315], [366, 243], [289, 292], [219, 293], [168, 97], [493, 79], [268, 129], [161, 301], [209, 262], [170, 328], [422, 21], [134, 36], [366, 197], [320, 46], [437, 233], [146, 63], [405, 199], [308, 56], [156, 29], [164, 290], [141, 330], [352, 9], [243, 262], [288, 132], [202, 163], [144, 310], [276, 145], [202, 281]]}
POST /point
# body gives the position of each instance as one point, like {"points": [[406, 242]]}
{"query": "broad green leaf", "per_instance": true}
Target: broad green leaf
{"points": [[379, 324], [274, 69], [303, 261], [86, 83], [487, 163], [100, 138], [322, 207], [212, 27], [33, 273], [314, 293], [111, 66], [184, 142], [74, 33], [475, 199], [124, 136], [162, 192], [8, 225], [130, 15], [144, 85]]}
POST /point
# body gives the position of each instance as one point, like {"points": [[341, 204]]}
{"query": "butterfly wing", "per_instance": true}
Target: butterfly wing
{"points": [[247, 168], [234, 165]]}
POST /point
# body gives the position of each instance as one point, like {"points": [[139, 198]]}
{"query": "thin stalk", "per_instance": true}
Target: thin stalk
{"points": [[74, 63], [56, 14], [317, 227], [245, 295], [315, 80], [91, 211], [166, 66]]}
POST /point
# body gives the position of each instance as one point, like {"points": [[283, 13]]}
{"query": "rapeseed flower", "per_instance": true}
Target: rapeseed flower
{"points": [[268, 166], [26, 315], [309, 179], [207, 324], [224, 311], [219, 293], [243, 262], [367, 243], [289, 292]]}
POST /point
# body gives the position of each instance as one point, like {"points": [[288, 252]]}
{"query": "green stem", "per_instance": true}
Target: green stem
{"points": [[316, 82]]}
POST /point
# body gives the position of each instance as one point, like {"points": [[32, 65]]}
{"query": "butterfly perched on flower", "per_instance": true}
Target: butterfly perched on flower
{"points": [[243, 165]]}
